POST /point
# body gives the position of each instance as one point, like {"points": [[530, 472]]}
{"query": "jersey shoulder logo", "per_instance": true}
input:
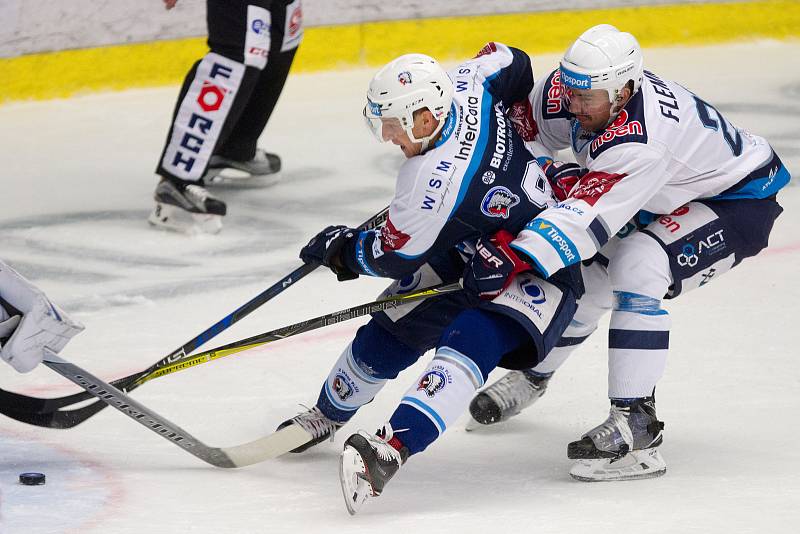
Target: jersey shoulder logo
{"points": [[594, 185], [392, 238], [628, 127], [489, 48], [552, 103]]}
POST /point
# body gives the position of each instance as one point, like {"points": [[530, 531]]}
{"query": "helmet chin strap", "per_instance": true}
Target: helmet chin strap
{"points": [[427, 139]]}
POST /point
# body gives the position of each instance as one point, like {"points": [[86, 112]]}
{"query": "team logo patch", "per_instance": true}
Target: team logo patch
{"points": [[404, 78], [488, 177], [433, 381], [259, 26], [343, 386], [594, 185], [498, 202], [392, 238], [533, 290]]}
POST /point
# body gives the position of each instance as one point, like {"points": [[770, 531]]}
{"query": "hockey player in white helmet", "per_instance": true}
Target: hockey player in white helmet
{"points": [[650, 154], [410, 95], [30, 324], [468, 184]]}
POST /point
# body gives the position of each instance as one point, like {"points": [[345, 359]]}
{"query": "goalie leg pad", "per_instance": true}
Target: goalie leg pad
{"points": [[638, 464]]}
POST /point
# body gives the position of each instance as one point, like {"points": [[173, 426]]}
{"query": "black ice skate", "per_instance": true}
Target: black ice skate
{"points": [[186, 207], [260, 171], [317, 426], [623, 447], [367, 464], [507, 397]]}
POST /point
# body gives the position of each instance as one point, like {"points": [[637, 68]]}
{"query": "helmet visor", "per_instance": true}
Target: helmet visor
{"points": [[383, 128], [585, 101]]}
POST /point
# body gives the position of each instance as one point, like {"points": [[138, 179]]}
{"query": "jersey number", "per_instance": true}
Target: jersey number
{"points": [[534, 185], [704, 110]]}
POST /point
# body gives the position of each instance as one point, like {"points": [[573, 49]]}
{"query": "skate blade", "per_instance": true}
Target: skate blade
{"points": [[174, 219], [644, 463], [233, 178], [356, 488]]}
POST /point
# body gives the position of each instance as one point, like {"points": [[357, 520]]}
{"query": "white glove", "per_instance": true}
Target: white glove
{"points": [[43, 324]]}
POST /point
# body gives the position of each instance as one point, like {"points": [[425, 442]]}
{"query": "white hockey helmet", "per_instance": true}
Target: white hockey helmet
{"points": [[404, 85], [603, 58]]}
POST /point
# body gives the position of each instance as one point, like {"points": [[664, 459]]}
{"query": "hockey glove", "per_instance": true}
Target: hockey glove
{"points": [[42, 324], [326, 248], [562, 176], [493, 267]]}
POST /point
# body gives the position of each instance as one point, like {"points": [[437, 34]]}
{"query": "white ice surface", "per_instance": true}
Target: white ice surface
{"points": [[75, 190]]}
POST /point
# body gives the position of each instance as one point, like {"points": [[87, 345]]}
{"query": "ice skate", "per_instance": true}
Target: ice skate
{"points": [[623, 447], [317, 426], [367, 464], [260, 171], [507, 397], [186, 207]]}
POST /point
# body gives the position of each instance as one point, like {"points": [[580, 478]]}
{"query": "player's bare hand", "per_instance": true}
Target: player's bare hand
{"points": [[169, 4]]}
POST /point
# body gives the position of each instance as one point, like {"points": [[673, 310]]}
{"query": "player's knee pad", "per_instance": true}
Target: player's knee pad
{"points": [[640, 266]]}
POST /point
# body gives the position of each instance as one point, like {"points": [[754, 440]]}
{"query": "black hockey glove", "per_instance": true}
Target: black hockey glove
{"points": [[562, 176], [326, 248], [493, 267]]}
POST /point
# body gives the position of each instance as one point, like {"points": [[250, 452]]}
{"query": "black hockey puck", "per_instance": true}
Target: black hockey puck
{"points": [[31, 479]]}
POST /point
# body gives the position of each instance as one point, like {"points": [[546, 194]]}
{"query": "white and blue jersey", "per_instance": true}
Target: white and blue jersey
{"points": [[478, 178], [666, 148]]}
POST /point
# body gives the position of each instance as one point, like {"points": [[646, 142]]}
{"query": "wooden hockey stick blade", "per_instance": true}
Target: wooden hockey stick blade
{"points": [[242, 455]]}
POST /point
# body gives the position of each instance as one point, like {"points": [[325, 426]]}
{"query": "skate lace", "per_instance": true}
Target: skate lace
{"points": [[512, 390], [315, 423], [617, 422], [196, 194], [382, 447]]}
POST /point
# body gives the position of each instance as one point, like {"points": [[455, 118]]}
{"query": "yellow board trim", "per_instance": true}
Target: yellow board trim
{"points": [[70, 72]]}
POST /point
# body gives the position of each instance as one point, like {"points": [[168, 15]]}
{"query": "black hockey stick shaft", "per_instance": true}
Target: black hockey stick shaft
{"points": [[69, 418], [20, 404], [298, 328]]}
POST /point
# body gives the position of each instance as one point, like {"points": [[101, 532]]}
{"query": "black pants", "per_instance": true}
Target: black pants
{"points": [[224, 104]]}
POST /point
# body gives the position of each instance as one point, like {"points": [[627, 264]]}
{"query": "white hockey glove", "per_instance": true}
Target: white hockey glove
{"points": [[42, 323]]}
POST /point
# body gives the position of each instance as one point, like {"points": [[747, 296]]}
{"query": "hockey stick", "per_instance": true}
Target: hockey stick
{"points": [[249, 453], [23, 404], [67, 418]]}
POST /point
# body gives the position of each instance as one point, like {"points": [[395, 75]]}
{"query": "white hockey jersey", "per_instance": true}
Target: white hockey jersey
{"points": [[477, 179], [667, 147]]}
